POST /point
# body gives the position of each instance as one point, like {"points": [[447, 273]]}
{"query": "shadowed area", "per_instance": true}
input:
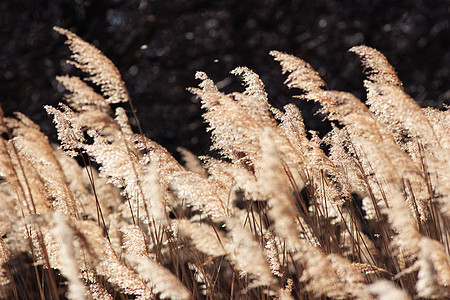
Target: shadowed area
{"points": [[158, 46]]}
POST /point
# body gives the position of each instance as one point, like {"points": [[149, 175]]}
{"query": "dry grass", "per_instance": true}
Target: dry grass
{"points": [[275, 218]]}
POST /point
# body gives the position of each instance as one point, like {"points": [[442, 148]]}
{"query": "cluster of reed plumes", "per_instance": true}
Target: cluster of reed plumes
{"points": [[362, 213]]}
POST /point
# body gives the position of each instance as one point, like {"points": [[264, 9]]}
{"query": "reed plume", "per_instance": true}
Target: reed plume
{"points": [[280, 213]]}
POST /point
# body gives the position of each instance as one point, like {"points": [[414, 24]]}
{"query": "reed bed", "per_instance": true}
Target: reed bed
{"points": [[280, 213]]}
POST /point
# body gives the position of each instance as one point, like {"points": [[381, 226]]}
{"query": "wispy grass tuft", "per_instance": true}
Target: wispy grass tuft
{"points": [[275, 217]]}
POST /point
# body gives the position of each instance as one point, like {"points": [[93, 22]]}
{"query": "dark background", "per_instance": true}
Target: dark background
{"points": [[158, 46]]}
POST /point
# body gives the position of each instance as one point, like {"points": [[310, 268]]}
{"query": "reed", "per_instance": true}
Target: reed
{"points": [[275, 217]]}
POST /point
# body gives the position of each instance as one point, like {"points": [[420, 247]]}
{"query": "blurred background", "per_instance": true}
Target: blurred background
{"points": [[159, 45]]}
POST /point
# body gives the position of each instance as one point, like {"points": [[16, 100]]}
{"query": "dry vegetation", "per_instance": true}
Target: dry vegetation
{"points": [[277, 217]]}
